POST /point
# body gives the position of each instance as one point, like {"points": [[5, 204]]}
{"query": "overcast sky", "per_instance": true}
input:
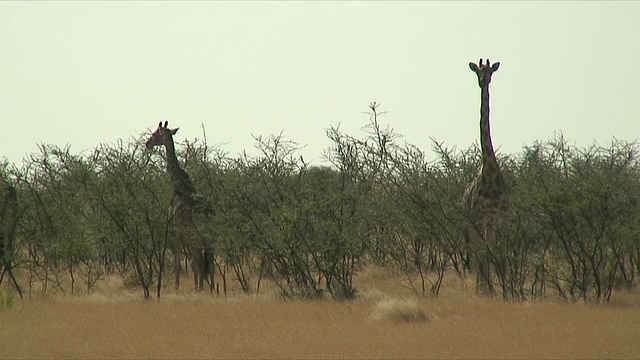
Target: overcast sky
{"points": [[85, 73]]}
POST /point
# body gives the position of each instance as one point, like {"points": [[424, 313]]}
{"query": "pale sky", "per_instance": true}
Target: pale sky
{"points": [[85, 73]]}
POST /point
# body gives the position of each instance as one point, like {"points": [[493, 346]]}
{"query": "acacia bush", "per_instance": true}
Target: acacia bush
{"points": [[572, 230], [583, 205], [55, 222]]}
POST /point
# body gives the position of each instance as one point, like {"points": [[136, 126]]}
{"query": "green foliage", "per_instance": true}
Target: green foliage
{"points": [[581, 208], [573, 229]]}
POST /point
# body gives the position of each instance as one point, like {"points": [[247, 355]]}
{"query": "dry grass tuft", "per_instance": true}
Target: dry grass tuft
{"points": [[400, 310]]}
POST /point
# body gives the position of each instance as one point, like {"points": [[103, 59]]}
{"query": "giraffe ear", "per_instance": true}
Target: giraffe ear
{"points": [[495, 66], [174, 131], [473, 67]]}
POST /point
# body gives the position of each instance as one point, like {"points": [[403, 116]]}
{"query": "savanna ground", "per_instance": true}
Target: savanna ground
{"points": [[385, 321]]}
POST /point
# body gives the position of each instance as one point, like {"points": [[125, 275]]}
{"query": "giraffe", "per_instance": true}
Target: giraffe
{"points": [[8, 223], [185, 204], [485, 195]]}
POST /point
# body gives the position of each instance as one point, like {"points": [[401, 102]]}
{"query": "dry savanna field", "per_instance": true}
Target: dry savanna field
{"points": [[385, 321]]}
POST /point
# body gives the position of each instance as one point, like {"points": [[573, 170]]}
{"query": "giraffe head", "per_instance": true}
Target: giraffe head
{"points": [[161, 136], [484, 71]]}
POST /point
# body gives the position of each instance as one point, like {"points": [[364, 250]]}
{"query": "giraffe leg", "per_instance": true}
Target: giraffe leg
{"points": [[482, 254], [493, 257], [489, 238], [177, 266], [197, 266], [209, 263], [500, 262], [484, 285]]}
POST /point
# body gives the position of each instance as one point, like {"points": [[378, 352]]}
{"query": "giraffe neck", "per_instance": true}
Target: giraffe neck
{"points": [[488, 155], [180, 181]]}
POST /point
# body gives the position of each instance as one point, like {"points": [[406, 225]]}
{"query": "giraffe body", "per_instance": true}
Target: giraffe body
{"points": [[185, 204], [485, 195]]}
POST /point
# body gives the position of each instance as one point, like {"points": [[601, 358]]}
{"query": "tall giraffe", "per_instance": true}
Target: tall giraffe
{"points": [[185, 204], [8, 223], [485, 194]]}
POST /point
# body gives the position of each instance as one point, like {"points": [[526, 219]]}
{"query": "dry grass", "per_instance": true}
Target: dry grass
{"points": [[383, 323], [399, 310]]}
